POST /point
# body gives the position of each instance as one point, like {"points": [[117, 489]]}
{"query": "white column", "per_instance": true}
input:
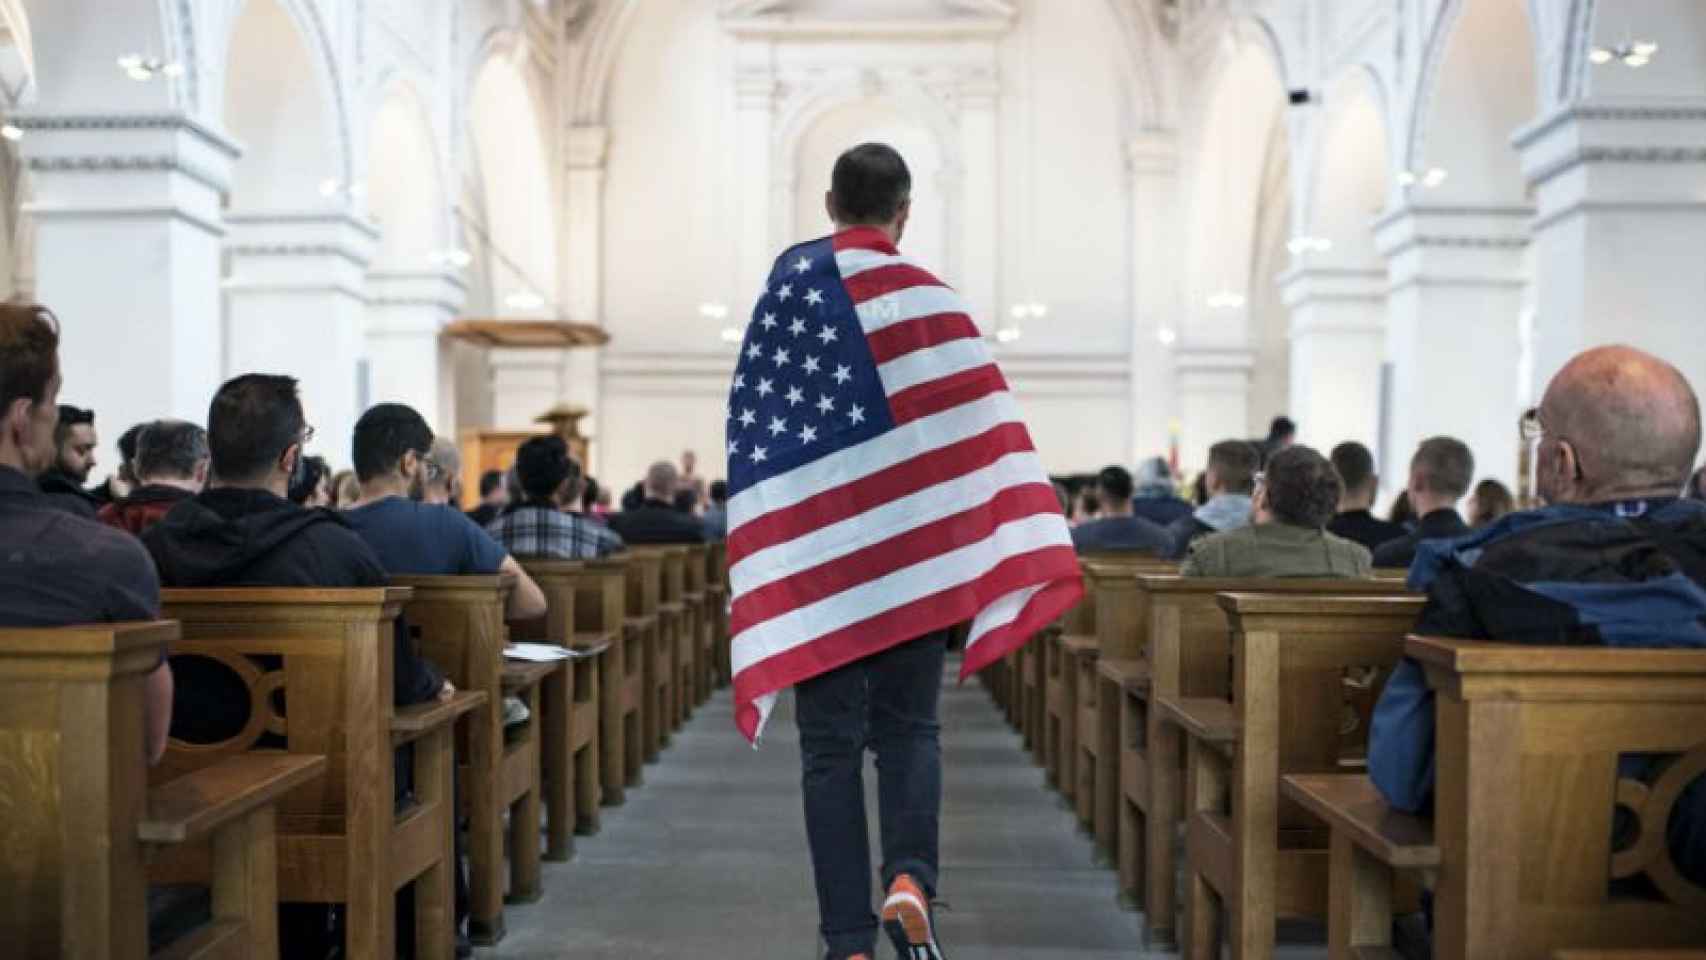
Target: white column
{"points": [[1620, 188], [1338, 342], [128, 232], [1152, 164], [525, 384], [979, 242], [297, 304], [1213, 390], [755, 104], [1453, 311], [406, 361], [585, 151]]}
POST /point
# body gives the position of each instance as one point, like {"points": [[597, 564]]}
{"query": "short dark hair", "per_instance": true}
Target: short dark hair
{"points": [[70, 416], [170, 448], [542, 464], [29, 352], [305, 481], [719, 491], [589, 496], [869, 184], [1235, 462], [1281, 426], [383, 435], [1303, 488], [1445, 466], [685, 500], [253, 419], [490, 481], [127, 442], [1114, 482], [1355, 464]]}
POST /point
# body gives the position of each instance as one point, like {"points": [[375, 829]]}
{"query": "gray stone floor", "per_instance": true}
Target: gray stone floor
{"points": [[708, 858]]}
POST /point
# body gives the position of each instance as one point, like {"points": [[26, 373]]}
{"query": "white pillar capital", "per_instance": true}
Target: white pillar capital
{"points": [[1464, 244], [300, 250]]}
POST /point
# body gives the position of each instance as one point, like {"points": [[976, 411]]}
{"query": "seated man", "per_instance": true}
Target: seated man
{"points": [[121, 482], [1156, 499], [242, 532], [1356, 521], [74, 445], [391, 447], [537, 525], [656, 519], [1617, 431], [57, 569], [1116, 529], [1440, 474], [715, 520], [170, 465], [1231, 475], [494, 496], [443, 477], [1294, 501]]}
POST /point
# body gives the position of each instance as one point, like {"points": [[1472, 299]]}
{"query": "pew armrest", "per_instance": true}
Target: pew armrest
{"points": [[1132, 675], [1351, 804], [1208, 719], [412, 723], [639, 623], [591, 644], [519, 676], [197, 803], [1081, 645]]}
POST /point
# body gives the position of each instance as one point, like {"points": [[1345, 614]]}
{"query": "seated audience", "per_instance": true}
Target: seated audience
{"points": [[443, 484], [171, 466], [537, 525], [494, 496], [1086, 505], [1355, 521], [634, 496], [345, 489], [1117, 529], [1402, 513], [1617, 432], [715, 520], [1440, 474], [1288, 535], [686, 501], [311, 484], [57, 569], [410, 535], [118, 484], [1490, 501], [1155, 499], [690, 480], [242, 532], [74, 445], [1282, 433], [591, 496], [656, 520], [1228, 481]]}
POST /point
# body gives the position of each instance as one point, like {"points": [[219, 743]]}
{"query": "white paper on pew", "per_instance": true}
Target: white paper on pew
{"points": [[537, 652]]}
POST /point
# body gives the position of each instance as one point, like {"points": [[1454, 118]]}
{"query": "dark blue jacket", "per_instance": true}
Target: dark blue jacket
{"points": [[1622, 575]]}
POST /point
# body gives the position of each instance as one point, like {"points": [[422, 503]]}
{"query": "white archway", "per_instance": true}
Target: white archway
{"points": [[508, 220], [284, 119], [405, 194]]}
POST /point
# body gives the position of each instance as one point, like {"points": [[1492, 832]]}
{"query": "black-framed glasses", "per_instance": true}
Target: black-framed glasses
{"points": [[1530, 425], [307, 434]]}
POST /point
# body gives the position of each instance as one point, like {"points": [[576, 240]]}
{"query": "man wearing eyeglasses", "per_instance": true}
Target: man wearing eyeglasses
{"points": [[1616, 558]]}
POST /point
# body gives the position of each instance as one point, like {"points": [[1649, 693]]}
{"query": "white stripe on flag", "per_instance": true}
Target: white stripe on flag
{"points": [[1001, 613], [908, 304], [851, 263], [932, 363], [878, 453], [880, 523], [802, 625]]}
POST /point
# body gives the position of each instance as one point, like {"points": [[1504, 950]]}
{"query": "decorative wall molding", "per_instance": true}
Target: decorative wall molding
{"points": [[1644, 156], [1604, 111], [42, 212], [291, 251], [152, 163], [111, 122]]}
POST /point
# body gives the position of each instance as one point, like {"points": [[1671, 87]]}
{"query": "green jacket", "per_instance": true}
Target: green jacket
{"points": [[1276, 550]]}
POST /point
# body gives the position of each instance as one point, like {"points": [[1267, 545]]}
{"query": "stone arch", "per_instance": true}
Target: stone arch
{"points": [[406, 193], [289, 117], [1350, 169], [508, 219]]}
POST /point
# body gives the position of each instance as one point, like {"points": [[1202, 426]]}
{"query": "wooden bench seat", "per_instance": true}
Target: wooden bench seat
{"points": [[520, 675], [1127, 673], [717, 588], [601, 598], [1208, 719], [657, 641], [1528, 743]]}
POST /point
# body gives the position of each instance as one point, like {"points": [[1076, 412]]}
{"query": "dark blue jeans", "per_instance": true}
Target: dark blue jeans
{"points": [[886, 703]]}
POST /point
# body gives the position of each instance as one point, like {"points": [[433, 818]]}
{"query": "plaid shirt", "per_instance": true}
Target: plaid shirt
{"points": [[530, 531]]}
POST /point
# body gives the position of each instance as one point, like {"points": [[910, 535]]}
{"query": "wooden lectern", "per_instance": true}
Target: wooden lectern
{"points": [[485, 449]]}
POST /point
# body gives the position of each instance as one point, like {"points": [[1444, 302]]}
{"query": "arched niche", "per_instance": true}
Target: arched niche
{"points": [[282, 116], [1352, 172], [865, 120], [1482, 83], [507, 215], [405, 193]]}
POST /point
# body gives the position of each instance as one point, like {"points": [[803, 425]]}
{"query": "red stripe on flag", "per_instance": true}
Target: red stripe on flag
{"points": [[1049, 603], [897, 625], [915, 546], [864, 238], [881, 281], [919, 333], [891, 483], [945, 393]]}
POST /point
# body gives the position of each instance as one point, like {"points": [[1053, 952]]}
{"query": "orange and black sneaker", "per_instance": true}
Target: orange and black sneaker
{"points": [[906, 918]]}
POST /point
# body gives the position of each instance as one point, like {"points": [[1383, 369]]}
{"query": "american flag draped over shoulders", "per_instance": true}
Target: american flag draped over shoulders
{"points": [[882, 483]]}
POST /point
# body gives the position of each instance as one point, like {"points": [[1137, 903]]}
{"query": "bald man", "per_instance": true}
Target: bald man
{"points": [[1616, 436]]}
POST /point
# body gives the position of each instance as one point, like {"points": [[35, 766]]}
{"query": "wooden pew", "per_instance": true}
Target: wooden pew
{"points": [[1528, 740], [1258, 857], [1111, 581], [600, 616], [340, 839], [1033, 681], [461, 628], [1060, 693], [697, 599], [1187, 653], [676, 619], [81, 825], [717, 590], [648, 629]]}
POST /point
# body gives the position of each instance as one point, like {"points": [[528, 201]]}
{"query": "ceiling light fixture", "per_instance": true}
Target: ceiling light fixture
{"points": [[1634, 54], [1304, 244], [143, 69], [1167, 336], [454, 257], [1008, 334], [524, 300], [12, 132], [1431, 178], [1225, 300]]}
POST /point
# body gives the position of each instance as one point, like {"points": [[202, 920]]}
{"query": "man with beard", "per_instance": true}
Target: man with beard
{"points": [[74, 443]]}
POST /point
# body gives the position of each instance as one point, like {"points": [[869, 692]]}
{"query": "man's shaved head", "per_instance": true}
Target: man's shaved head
{"points": [[1632, 419]]}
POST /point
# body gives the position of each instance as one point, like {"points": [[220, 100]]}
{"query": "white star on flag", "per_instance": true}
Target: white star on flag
{"points": [[814, 297], [857, 414], [778, 426], [808, 434], [768, 322], [825, 405], [802, 265], [747, 418], [754, 352], [758, 454], [786, 292], [797, 327], [781, 358], [811, 365], [740, 382], [827, 335], [842, 374], [734, 447], [795, 396], [764, 387]]}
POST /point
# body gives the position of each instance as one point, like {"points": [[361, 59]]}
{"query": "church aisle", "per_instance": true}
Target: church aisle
{"points": [[708, 859]]}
